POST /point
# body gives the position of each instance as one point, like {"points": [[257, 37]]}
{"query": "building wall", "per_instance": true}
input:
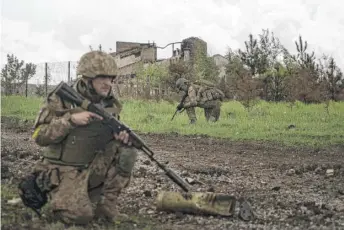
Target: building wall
{"points": [[129, 55], [127, 60], [196, 45], [149, 54], [148, 51], [124, 46], [129, 69], [221, 62]]}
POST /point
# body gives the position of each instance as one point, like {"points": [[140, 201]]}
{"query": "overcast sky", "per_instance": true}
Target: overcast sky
{"points": [[61, 30]]}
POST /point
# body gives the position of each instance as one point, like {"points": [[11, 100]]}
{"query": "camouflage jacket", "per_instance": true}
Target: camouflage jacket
{"points": [[53, 122], [198, 95]]}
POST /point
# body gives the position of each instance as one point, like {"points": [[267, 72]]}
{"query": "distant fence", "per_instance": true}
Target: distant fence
{"points": [[48, 75], [143, 89], [54, 72]]}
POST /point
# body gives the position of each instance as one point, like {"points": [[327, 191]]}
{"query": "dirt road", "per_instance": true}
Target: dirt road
{"points": [[287, 187]]}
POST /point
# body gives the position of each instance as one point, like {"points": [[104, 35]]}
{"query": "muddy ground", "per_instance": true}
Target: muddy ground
{"points": [[288, 187]]}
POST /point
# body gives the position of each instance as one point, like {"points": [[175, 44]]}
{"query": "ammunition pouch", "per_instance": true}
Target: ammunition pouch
{"points": [[218, 95], [212, 94], [81, 145], [34, 188]]}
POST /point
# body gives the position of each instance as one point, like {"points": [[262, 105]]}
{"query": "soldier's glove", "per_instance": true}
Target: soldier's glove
{"points": [[179, 107]]}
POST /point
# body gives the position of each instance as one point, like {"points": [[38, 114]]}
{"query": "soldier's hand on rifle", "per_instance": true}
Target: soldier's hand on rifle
{"points": [[123, 136], [179, 107], [83, 118]]}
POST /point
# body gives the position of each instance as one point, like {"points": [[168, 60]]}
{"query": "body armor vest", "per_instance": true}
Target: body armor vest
{"points": [[83, 142]]}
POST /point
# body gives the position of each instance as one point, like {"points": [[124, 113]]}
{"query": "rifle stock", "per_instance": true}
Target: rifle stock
{"points": [[69, 94]]}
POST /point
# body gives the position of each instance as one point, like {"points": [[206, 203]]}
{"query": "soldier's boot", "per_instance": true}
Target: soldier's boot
{"points": [[215, 113], [207, 113], [109, 210], [108, 206], [192, 115]]}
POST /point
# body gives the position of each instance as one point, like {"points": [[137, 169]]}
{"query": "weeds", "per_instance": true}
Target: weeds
{"points": [[265, 122]]}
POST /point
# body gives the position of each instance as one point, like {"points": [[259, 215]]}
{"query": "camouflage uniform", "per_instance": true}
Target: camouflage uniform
{"points": [[208, 98], [84, 167]]}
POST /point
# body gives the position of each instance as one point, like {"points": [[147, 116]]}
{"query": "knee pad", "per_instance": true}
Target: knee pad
{"points": [[126, 161]]}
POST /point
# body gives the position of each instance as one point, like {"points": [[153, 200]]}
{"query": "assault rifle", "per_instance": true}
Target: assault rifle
{"points": [[69, 94], [181, 103]]}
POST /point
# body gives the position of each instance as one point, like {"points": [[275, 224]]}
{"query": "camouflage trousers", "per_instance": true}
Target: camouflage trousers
{"points": [[212, 111], [82, 194]]}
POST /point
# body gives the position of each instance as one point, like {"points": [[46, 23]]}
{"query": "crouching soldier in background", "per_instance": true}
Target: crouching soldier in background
{"points": [[208, 98], [85, 166]]}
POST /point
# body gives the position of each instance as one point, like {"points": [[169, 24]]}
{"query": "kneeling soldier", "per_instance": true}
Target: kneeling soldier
{"points": [[85, 167]]}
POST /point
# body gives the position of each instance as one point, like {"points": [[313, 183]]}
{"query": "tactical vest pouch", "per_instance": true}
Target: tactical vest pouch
{"points": [[212, 94], [81, 145], [83, 142], [53, 151], [218, 94]]}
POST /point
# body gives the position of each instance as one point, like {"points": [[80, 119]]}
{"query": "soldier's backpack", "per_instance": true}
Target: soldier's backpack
{"points": [[208, 90]]}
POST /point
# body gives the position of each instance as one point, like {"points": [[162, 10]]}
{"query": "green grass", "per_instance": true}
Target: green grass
{"points": [[21, 107], [266, 121]]}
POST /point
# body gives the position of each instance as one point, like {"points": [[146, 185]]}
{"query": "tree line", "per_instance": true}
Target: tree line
{"points": [[264, 69]]}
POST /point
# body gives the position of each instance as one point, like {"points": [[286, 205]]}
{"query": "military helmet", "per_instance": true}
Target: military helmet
{"points": [[96, 63], [181, 82]]}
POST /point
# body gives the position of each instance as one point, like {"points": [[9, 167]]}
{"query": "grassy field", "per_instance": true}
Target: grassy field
{"points": [[314, 125]]}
